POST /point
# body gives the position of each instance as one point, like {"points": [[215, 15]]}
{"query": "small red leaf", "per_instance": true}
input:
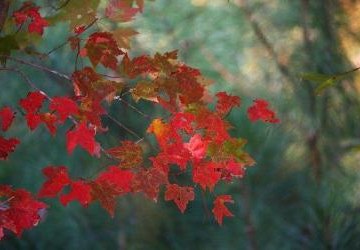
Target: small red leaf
{"points": [[226, 103], [7, 146], [197, 147], [260, 111], [6, 118], [19, 211], [129, 153], [220, 210], [64, 106], [206, 175], [180, 195], [149, 181], [33, 101], [80, 191], [57, 177], [83, 136]]}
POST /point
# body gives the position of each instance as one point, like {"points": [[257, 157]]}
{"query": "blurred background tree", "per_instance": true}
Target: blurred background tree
{"points": [[303, 191]]}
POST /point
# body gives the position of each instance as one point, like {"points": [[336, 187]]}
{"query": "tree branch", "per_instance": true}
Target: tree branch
{"points": [[4, 8], [263, 39]]}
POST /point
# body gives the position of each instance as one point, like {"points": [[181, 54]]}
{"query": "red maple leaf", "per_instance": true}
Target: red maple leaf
{"points": [[197, 147], [6, 117], [226, 102], [33, 101], [19, 211], [129, 153], [64, 106], [83, 136], [180, 195], [149, 181], [122, 10], [260, 111], [109, 185], [80, 191], [102, 48], [37, 22], [121, 179], [206, 175], [7, 146], [35, 119], [57, 177], [220, 210]]}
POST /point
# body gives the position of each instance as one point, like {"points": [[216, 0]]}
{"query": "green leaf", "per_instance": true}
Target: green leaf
{"points": [[7, 44], [325, 81]]}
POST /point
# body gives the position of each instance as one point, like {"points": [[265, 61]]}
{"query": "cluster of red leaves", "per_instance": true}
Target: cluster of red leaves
{"points": [[7, 145], [30, 11], [18, 210], [193, 141]]}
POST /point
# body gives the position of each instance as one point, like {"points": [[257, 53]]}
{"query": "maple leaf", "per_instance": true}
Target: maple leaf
{"points": [[232, 169], [64, 106], [144, 90], [197, 147], [123, 10], [91, 87], [216, 129], [57, 177], [120, 179], [7, 146], [176, 153], [37, 22], [220, 210], [129, 153], [19, 211], [91, 112], [80, 191], [260, 111], [109, 185], [183, 121], [191, 91], [226, 102], [34, 120], [6, 117], [83, 136], [180, 195], [149, 181], [206, 174], [230, 149], [33, 101], [101, 47], [160, 129], [123, 35]]}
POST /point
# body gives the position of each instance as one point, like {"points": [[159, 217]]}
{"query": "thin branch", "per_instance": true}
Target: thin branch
{"points": [[67, 41], [37, 66], [242, 4], [23, 75], [124, 127], [146, 116], [4, 8]]}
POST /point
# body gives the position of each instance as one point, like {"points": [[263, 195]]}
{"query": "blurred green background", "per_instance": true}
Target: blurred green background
{"points": [[303, 193]]}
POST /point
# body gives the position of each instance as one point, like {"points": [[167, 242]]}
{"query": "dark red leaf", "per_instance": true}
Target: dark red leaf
{"points": [[180, 195], [80, 191], [6, 118], [57, 177], [260, 111], [7, 146], [220, 210], [33, 101], [83, 136]]}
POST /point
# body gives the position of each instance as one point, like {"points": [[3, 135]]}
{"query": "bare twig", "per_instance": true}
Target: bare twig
{"points": [[4, 8]]}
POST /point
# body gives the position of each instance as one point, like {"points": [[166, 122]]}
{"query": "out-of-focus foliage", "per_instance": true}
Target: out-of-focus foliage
{"points": [[303, 191]]}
